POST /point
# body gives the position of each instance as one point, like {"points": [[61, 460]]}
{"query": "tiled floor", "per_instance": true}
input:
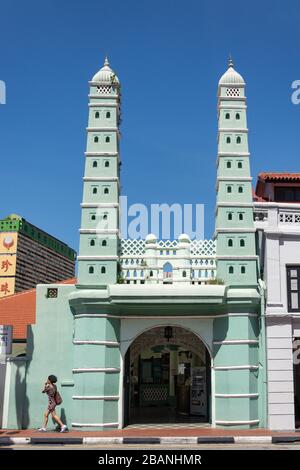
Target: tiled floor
{"points": [[163, 417]]}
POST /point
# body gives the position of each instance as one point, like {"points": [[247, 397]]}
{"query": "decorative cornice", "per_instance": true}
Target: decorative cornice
{"points": [[95, 342], [231, 98], [234, 178], [233, 154], [236, 341], [235, 230], [97, 258], [101, 178], [237, 257], [100, 231], [96, 369], [242, 367], [100, 205], [134, 317], [96, 397], [106, 105], [235, 204], [233, 106], [236, 395], [102, 129], [233, 129], [231, 85], [237, 423], [101, 154]]}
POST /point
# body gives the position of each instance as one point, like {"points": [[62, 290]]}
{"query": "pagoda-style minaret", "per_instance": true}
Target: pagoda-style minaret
{"points": [[235, 232], [99, 233]]}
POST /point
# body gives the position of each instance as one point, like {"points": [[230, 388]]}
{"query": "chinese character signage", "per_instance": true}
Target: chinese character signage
{"points": [[5, 339], [8, 265], [7, 286]]}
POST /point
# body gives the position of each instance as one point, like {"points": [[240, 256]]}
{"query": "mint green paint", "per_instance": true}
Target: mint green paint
{"points": [[97, 278], [96, 329], [237, 381], [92, 383], [241, 409], [93, 244], [77, 314], [102, 186], [233, 166], [236, 328], [233, 186], [238, 215], [102, 356], [245, 354], [50, 351], [18, 401]]}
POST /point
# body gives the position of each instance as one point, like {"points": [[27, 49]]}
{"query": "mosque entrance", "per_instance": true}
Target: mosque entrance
{"points": [[167, 379]]}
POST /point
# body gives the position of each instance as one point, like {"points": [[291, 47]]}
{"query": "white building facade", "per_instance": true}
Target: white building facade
{"points": [[277, 220]]}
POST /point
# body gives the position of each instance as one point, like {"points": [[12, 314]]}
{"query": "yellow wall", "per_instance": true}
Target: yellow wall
{"points": [[8, 262]]}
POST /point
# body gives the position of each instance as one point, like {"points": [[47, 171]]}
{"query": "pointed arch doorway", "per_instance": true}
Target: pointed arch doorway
{"points": [[167, 378]]}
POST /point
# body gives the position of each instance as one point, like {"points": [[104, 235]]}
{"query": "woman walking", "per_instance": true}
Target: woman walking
{"points": [[54, 399]]}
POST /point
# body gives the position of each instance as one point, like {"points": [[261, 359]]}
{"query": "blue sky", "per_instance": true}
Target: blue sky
{"points": [[169, 56]]}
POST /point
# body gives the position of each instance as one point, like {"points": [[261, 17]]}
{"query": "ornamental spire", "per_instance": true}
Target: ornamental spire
{"points": [[230, 62], [106, 62]]}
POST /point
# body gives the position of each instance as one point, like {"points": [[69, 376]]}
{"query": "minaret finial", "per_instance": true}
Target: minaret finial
{"points": [[106, 62], [230, 62]]}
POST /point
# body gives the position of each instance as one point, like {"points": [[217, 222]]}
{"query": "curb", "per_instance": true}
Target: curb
{"points": [[148, 440], [216, 440], [285, 439], [14, 441], [56, 440]]}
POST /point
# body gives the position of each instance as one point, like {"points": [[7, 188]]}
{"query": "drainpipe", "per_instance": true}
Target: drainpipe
{"points": [[263, 351]]}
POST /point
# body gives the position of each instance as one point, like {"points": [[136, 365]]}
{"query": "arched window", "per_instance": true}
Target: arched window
{"points": [[237, 116], [95, 164], [227, 116], [106, 191], [103, 270], [243, 270], [167, 272], [229, 189], [97, 114], [240, 165], [228, 140], [184, 274], [104, 243], [105, 217], [241, 189], [238, 140], [151, 273], [108, 114], [230, 242], [93, 217], [96, 139], [95, 190], [228, 165], [229, 216], [106, 164], [107, 139], [230, 270], [91, 270], [241, 216], [242, 242], [92, 243]]}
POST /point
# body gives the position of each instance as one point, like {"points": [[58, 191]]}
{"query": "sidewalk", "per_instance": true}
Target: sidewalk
{"points": [[148, 436]]}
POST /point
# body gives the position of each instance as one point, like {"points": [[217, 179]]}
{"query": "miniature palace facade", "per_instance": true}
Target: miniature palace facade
{"points": [[132, 343]]}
